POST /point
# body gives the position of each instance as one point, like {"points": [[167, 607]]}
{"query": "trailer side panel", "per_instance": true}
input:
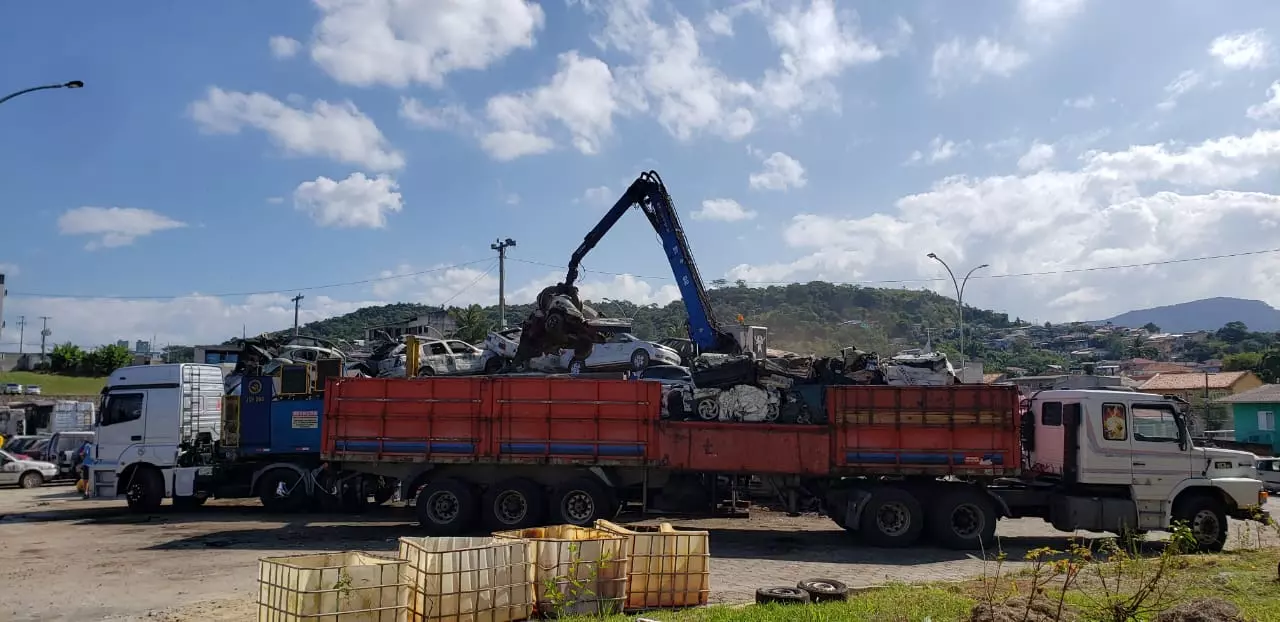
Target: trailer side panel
{"points": [[947, 430], [745, 447], [396, 419], [573, 421]]}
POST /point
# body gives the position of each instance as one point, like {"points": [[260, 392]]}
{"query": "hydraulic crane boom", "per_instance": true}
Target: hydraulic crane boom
{"points": [[650, 195]]}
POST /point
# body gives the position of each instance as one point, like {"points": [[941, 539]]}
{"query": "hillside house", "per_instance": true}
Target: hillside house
{"points": [[435, 323], [1202, 391], [1253, 414]]}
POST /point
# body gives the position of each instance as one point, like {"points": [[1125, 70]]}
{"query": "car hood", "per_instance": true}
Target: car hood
{"points": [[39, 465]]}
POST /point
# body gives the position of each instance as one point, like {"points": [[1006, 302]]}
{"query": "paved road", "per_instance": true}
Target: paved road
{"points": [[86, 560]]}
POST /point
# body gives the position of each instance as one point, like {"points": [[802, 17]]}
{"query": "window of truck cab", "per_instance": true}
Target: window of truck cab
{"points": [[121, 407], [1154, 423]]}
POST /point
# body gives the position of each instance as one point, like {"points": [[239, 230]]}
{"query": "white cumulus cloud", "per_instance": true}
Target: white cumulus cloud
{"points": [[780, 172], [114, 226], [357, 201], [1242, 50], [724, 210], [284, 47], [336, 131]]}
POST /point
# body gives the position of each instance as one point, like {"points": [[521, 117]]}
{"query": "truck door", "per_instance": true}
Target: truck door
{"points": [[1161, 458], [121, 425], [1106, 454]]}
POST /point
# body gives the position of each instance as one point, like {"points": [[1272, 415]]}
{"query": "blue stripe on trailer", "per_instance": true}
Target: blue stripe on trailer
{"points": [[573, 449], [916, 459], [436, 447]]}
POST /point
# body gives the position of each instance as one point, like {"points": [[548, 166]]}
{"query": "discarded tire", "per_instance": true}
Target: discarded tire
{"points": [[824, 590], [784, 595]]}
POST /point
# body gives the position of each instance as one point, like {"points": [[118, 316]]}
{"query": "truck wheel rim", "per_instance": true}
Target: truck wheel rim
{"points": [[578, 506], [134, 493], [893, 519], [967, 520], [639, 359], [1205, 526], [442, 507], [510, 507]]}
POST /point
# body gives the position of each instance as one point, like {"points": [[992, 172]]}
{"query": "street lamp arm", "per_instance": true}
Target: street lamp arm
{"points": [[74, 84], [960, 292]]}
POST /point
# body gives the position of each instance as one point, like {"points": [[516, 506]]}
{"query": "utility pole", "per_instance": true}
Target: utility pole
{"points": [[22, 331], [44, 334], [296, 299], [501, 247]]}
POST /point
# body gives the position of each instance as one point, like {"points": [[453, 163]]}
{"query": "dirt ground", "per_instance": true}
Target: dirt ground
{"points": [[68, 559]]}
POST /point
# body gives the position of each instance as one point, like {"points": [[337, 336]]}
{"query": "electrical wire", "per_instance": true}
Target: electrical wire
{"points": [[468, 286], [936, 279], [1010, 275], [257, 293]]}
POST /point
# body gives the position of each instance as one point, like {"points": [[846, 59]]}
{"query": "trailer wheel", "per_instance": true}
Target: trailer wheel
{"points": [[1206, 519], [963, 519], [581, 501], [282, 490], [446, 506], [782, 595], [144, 490], [516, 503], [824, 590], [892, 518]]}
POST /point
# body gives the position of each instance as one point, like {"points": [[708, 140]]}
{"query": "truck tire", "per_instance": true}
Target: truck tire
{"points": [[282, 490], [446, 506], [581, 501], [892, 518], [963, 519], [516, 503], [31, 479], [1207, 520], [144, 490]]}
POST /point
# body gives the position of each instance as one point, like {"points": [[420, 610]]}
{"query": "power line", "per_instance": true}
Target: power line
{"points": [[467, 286], [257, 293], [651, 277], [931, 280]]}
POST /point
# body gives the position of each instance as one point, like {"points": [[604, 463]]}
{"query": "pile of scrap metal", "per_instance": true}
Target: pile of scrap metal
{"points": [[559, 321], [266, 354], [790, 388]]}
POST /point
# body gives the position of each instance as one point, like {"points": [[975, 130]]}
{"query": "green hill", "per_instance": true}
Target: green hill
{"points": [[815, 317]]}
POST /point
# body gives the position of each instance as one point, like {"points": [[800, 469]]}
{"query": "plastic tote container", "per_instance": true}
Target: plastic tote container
{"points": [[330, 587], [467, 579], [577, 570], [668, 567]]}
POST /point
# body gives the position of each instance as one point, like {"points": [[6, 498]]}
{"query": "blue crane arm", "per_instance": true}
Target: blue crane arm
{"points": [[650, 195]]}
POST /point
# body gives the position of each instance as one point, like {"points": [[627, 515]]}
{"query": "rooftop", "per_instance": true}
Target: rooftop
{"points": [[1265, 394], [1185, 382]]}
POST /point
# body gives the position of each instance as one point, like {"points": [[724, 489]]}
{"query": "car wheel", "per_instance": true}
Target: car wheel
{"points": [[781, 595], [824, 590], [31, 479], [577, 366], [426, 372], [493, 365], [640, 360]]}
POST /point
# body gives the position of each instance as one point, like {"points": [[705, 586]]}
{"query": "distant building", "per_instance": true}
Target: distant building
{"points": [[434, 323], [1203, 391], [142, 347], [122, 343], [1253, 414], [217, 355]]}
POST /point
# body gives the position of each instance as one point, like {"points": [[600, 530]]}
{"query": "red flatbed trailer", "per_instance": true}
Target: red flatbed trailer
{"points": [[517, 451]]}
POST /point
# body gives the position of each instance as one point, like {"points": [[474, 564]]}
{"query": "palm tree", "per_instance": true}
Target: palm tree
{"points": [[472, 323]]}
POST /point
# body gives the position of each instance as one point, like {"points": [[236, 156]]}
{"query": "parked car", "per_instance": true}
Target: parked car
{"points": [[1269, 473], [25, 473], [621, 351], [13, 388], [438, 357], [31, 389]]}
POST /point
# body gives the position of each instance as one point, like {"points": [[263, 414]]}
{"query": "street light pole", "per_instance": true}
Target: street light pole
{"points": [[74, 84], [959, 285]]}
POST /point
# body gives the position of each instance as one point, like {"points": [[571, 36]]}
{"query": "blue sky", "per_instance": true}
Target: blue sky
{"points": [[270, 147]]}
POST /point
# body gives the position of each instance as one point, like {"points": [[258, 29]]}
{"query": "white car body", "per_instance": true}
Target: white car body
{"points": [[31, 389], [623, 351], [1269, 473], [13, 388], [12, 468], [437, 357]]}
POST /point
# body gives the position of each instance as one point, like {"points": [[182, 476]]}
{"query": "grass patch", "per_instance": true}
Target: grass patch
{"points": [[55, 384], [1245, 578]]}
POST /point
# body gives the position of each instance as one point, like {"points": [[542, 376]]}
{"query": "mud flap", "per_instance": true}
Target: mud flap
{"points": [[853, 507]]}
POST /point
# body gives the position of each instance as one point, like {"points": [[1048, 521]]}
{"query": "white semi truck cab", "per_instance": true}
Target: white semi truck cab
{"points": [[149, 415], [1121, 460]]}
